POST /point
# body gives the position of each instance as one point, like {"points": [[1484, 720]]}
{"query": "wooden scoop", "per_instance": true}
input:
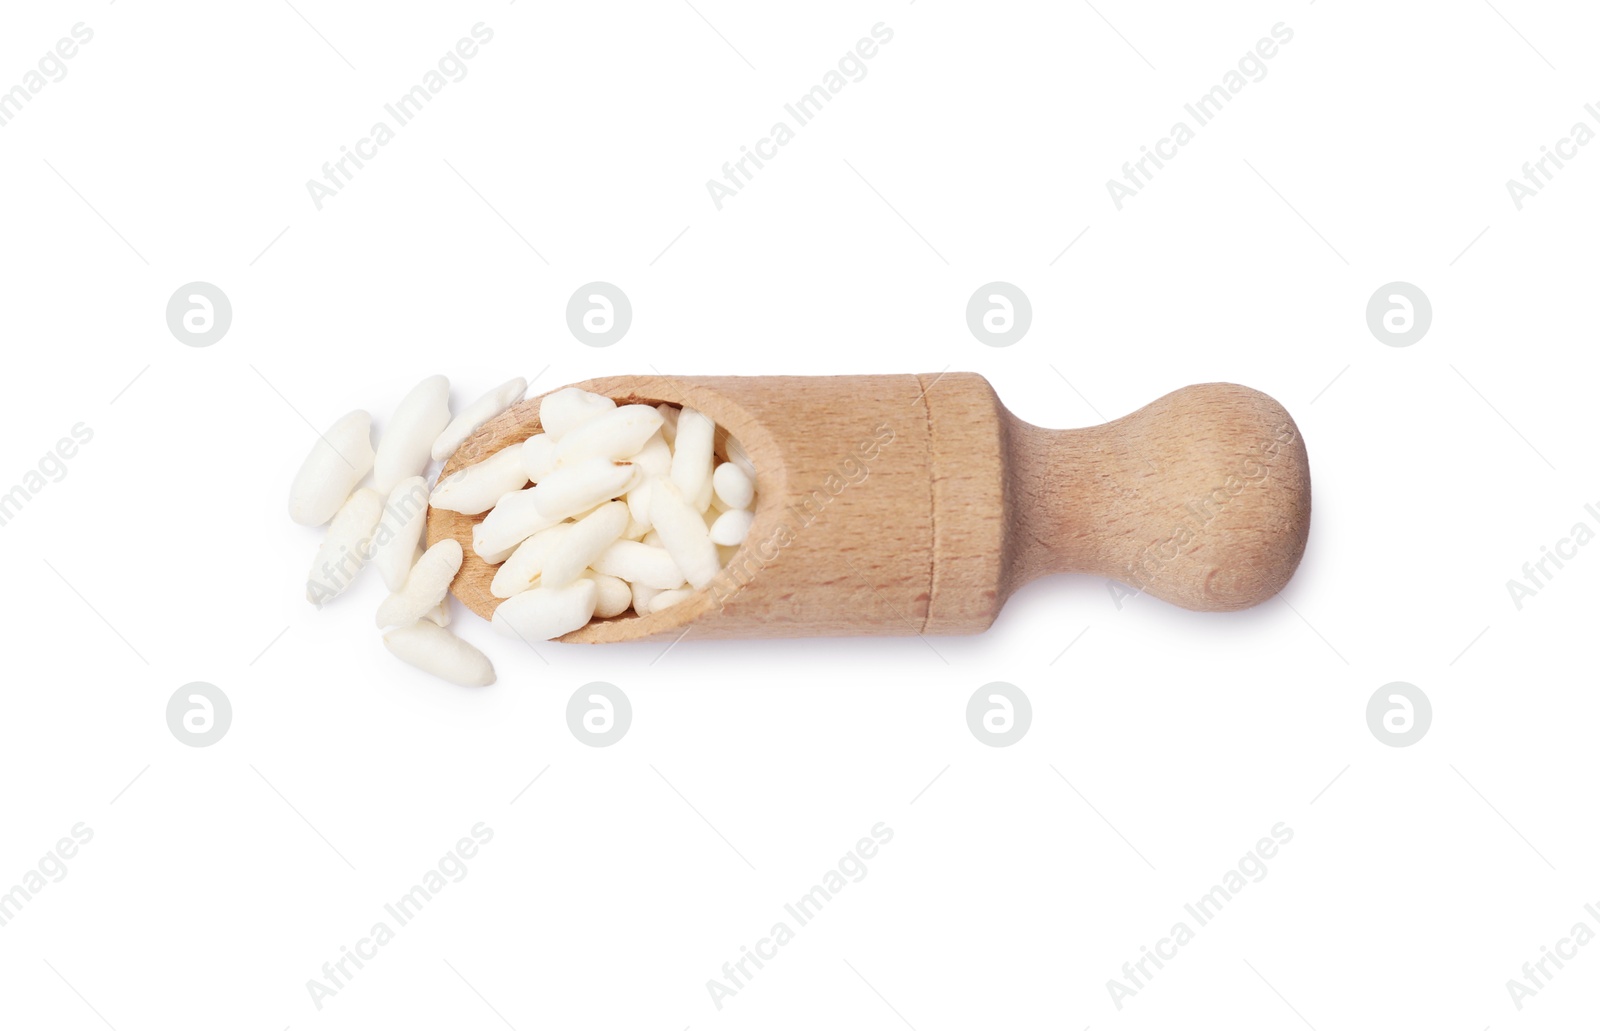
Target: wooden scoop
{"points": [[917, 504]]}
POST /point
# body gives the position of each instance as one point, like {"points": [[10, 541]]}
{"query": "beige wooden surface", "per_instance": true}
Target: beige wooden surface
{"points": [[917, 504]]}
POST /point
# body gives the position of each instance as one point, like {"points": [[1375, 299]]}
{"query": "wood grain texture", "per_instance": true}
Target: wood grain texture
{"points": [[917, 504], [1201, 498]]}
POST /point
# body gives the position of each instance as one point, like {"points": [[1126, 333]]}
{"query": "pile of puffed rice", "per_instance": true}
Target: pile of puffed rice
{"points": [[629, 508]]}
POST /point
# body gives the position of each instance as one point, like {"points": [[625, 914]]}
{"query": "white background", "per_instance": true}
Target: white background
{"points": [[1164, 743]]}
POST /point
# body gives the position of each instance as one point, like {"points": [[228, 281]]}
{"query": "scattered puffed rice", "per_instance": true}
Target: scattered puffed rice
{"points": [[346, 548], [425, 587], [475, 415], [407, 442], [435, 650], [337, 462], [405, 513]]}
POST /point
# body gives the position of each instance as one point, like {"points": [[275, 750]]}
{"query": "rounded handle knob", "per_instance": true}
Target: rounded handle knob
{"points": [[1201, 498]]}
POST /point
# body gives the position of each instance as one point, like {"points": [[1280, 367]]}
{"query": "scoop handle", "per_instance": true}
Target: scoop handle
{"points": [[1201, 498]]}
